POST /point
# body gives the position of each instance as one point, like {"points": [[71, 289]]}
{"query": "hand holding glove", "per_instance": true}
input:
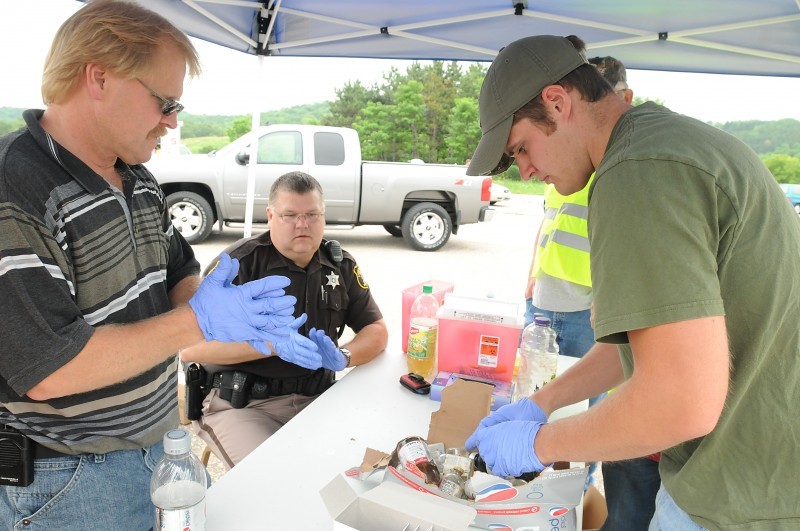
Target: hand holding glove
{"points": [[291, 346], [332, 357], [507, 447], [241, 313], [525, 409]]}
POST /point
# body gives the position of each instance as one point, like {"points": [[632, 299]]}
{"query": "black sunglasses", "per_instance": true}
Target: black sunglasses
{"points": [[168, 105]]}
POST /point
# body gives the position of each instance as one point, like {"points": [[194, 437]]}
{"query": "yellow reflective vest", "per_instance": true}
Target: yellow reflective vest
{"points": [[564, 239]]}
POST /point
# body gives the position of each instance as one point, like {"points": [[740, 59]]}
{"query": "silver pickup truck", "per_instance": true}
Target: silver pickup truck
{"points": [[423, 203]]}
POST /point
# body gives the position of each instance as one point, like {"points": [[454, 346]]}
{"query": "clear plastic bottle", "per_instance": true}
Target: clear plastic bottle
{"points": [[538, 358], [422, 334], [178, 486]]}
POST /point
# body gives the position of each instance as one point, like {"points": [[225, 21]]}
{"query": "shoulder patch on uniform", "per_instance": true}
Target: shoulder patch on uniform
{"points": [[359, 277]]}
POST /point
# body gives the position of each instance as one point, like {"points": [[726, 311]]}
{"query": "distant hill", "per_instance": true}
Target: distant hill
{"points": [[765, 137], [779, 136]]}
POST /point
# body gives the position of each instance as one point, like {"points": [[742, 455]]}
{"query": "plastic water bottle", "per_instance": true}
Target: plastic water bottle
{"points": [[178, 486], [538, 357], [422, 333]]}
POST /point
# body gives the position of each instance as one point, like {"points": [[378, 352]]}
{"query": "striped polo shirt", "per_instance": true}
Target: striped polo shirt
{"points": [[75, 254]]}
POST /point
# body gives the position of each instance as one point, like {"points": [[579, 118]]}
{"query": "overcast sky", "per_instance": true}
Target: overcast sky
{"points": [[227, 85]]}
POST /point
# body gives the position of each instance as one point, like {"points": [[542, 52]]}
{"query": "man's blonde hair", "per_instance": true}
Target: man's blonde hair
{"points": [[121, 36]]}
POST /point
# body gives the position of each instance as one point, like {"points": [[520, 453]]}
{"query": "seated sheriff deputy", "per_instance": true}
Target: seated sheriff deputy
{"points": [[249, 401]]}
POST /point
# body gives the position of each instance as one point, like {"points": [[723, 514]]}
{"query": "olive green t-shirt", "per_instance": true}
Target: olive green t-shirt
{"points": [[686, 222]]}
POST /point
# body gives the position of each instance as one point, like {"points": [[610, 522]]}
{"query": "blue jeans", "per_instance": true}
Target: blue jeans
{"points": [[670, 517], [631, 488], [88, 492]]}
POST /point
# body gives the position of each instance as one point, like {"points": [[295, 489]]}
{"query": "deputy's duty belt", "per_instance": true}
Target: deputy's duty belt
{"points": [[238, 387]]}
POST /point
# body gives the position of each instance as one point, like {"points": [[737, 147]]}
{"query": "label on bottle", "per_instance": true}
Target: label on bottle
{"points": [[489, 351], [180, 506], [422, 340], [186, 519], [414, 452]]}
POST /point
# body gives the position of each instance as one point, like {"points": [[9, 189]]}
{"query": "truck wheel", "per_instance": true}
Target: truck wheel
{"points": [[394, 230], [426, 227], [191, 215]]}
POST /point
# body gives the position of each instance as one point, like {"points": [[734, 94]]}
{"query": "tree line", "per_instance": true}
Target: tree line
{"points": [[430, 112]]}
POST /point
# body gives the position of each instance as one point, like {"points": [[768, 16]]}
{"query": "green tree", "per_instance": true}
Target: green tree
{"points": [[463, 132], [350, 100], [411, 119], [786, 169], [7, 126], [376, 131], [239, 127], [638, 100], [469, 85]]}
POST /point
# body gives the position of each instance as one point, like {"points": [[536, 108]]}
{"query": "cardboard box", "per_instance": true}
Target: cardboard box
{"points": [[478, 337], [550, 501], [501, 393], [440, 288], [391, 507], [595, 510]]}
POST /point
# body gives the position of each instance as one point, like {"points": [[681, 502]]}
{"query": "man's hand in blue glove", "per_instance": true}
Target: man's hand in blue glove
{"points": [[241, 313], [291, 346], [332, 357], [507, 447], [525, 409]]}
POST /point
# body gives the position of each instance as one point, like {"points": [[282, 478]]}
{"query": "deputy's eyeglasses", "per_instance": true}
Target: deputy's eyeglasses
{"points": [[168, 105], [311, 218]]}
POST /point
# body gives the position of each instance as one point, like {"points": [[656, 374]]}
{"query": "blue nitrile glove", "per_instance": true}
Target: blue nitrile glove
{"points": [[332, 357], [291, 346], [507, 448], [240, 313], [525, 409]]}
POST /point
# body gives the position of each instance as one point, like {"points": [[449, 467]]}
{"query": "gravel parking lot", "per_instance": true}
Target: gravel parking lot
{"points": [[483, 258]]}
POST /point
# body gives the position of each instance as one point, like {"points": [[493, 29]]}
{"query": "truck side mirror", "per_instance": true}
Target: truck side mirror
{"points": [[243, 157]]}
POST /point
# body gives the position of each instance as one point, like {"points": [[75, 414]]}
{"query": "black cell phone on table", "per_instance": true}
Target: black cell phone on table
{"points": [[415, 383]]}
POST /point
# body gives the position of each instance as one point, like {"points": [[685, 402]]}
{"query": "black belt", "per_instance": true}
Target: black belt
{"points": [[238, 387], [41, 451]]}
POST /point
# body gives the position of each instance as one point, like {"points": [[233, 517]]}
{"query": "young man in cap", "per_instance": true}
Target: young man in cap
{"points": [[693, 247]]}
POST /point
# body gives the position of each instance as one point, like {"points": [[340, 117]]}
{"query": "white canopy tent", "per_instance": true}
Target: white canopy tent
{"points": [[755, 37], [750, 37]]}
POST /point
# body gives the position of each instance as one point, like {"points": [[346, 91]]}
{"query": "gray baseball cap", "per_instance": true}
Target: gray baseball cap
{"points": [[518, 74]]}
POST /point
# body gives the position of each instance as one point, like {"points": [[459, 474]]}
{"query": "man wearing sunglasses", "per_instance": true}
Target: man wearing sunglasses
{"points": [[273, 390], [96, 282]]}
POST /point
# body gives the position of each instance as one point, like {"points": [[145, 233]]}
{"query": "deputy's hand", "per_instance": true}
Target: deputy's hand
{"points": [[507, 448], [525, 409], [291, 346], [241, 313], [332, 357]]}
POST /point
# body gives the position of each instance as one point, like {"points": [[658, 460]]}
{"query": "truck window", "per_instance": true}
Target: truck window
{"points": [[328, 149], [281, 147]]}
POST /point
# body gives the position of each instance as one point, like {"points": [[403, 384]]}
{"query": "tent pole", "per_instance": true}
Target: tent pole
{"points": [[252, 164]]}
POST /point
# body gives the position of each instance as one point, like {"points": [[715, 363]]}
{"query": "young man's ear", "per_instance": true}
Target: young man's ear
{"points": [[556, 98]]}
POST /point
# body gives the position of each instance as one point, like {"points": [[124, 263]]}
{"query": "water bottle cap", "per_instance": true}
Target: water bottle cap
{"points": [[177, 442], [427, 289], [541, 320]]}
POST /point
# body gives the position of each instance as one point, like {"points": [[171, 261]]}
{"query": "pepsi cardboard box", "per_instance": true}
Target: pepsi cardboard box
{"points": [[359, 505], [551, 501], [501, 391]]}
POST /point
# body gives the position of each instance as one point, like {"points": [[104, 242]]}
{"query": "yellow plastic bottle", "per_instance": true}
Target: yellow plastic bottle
{"points": [[422, 334]]}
